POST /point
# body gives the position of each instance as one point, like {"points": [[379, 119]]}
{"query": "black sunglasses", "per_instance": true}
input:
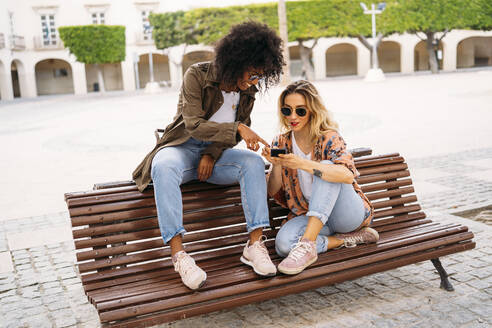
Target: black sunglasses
{"points": [[255, 77], [300, 111]]}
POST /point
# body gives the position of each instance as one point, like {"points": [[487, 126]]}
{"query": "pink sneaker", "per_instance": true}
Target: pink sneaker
{"points": [[191, 274], [258, 258], [365, 235], [300, 257]]}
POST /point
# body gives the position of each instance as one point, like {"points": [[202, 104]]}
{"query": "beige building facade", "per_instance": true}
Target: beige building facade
{"points": [[34, 62]]}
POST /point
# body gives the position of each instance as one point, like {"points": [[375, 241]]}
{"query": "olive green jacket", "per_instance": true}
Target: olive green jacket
{"points": [[199, 99]]}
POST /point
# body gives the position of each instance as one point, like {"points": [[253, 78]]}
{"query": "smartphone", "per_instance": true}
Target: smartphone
{"points": [[274, 152]]}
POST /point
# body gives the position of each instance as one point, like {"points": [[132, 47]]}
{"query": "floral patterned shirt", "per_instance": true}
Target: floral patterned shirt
{"points": [[330, 146]]}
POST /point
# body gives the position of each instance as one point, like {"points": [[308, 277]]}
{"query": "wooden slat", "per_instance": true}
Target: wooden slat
{"points": [[390, 193], [383, 169], [394, 202], [397, 210], [361, 159], [382, 177], [379, 161]]}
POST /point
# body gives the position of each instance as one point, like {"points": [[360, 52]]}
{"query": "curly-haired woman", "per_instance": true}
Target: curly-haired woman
{"points": [[213, 115], [315, 180]]}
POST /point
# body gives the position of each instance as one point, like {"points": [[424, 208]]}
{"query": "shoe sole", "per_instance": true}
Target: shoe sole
{"points": [[296, 271], [245, 261]]}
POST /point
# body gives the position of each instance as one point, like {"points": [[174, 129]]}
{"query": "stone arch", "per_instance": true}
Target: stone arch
{"points": [[341, 59], [421, 56], [474, 52], [389, 56], [196, 57], [161, 69], [53, 76], [112, 75], [296, 62]]}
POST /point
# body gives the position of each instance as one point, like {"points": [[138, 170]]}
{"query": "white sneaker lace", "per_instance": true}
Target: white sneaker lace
{"points": [[299, 250], [184, 264], [352, 241], [260, 246]]}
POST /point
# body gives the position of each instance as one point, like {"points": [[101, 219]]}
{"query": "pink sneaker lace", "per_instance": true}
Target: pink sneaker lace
{"points": [[300, 249], [260, 246]]}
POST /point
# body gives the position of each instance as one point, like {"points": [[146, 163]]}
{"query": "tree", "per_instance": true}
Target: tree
{"points": [[170, 30], [431, 20], [311, 20], [95, 44]]}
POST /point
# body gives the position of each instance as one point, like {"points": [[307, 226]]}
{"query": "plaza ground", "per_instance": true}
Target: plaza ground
{"points": [[439, 123]]}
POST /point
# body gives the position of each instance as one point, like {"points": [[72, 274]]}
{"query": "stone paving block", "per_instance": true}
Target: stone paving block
{"points": [[476, 324], [274, 309], [462, 317], [64, 318], [328, 290], [478, 284], [38, 321]]}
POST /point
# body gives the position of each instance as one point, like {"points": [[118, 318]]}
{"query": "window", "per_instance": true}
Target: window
{"points": [[48, 30], [147, 29], [98, 18], [60, 72]]}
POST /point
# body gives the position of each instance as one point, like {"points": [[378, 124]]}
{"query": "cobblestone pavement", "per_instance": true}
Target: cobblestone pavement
{"points": [[39, 285]]}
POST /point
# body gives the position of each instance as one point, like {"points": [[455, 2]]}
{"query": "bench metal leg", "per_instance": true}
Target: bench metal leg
{"points": [[445, 284]]}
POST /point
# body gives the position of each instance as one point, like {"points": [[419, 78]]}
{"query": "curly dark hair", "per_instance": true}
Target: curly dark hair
{"points": [[249, 45]]}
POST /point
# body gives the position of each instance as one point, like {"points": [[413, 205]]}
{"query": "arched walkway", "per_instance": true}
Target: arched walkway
{"points": [[389, 56], [341, 59], [474, 52], [17, 73], [421, 57], [161, 69], [296, 62], [53, 76], [196, 57], [112, 75]]}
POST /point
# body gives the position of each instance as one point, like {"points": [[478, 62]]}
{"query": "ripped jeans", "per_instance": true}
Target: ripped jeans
{"points": [[173, 166], [337, 205]]}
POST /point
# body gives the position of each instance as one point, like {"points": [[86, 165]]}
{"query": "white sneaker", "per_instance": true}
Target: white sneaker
{"points": [[191, 274], [258, 258]]}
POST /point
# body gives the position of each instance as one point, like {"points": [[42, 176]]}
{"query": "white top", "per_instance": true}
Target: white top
{"points": [[227, 112], [305, 178]]}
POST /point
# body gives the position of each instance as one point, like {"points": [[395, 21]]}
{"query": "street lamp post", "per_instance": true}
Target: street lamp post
{"points": [[375, 73]]}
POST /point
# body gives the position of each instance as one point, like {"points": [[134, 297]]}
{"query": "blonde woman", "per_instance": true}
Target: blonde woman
{"points": [[315, 179]]}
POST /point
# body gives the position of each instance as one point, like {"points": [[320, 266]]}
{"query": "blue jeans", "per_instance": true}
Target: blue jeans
{"points": [[172, 166], [337, 205]]}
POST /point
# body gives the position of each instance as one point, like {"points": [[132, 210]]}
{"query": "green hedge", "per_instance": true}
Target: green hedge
{"points": [[95, 44]]}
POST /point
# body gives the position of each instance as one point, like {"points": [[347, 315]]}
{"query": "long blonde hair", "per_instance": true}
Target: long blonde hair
{"points": [[321, 119]]}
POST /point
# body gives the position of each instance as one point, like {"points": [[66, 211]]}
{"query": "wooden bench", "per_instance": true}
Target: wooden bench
{"points": [[128, 276]]}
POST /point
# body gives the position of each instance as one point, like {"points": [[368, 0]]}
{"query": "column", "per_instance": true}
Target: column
{"points": [[319, 61], [449, 55], [27, 83], [407, 56], [79, 78], [363, 59], [6, 90], [128, 74], [175, 57]]}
